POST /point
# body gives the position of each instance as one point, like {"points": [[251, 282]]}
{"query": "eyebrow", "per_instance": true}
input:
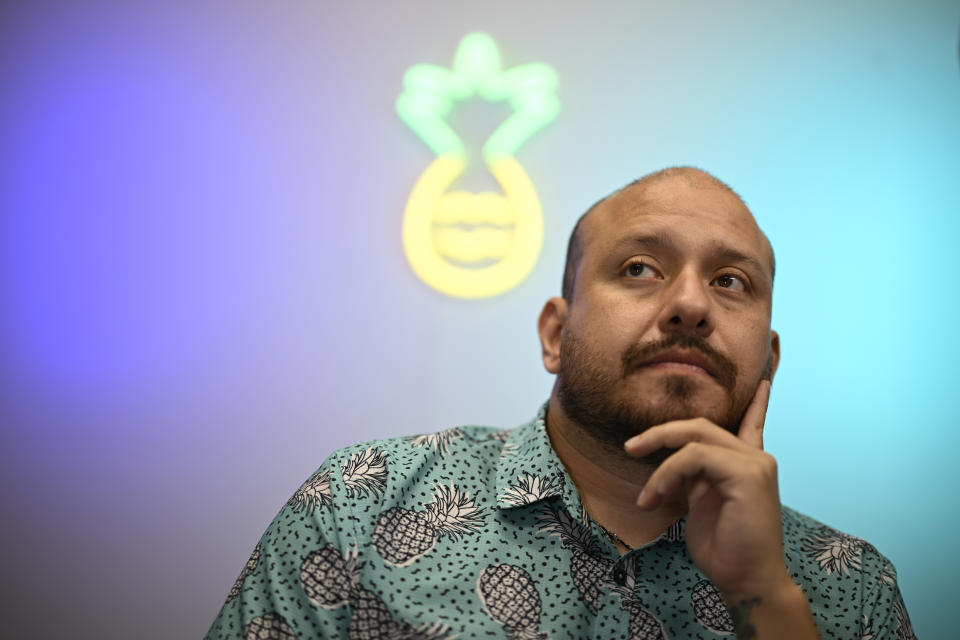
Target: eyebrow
{"points": [[718, 250]]}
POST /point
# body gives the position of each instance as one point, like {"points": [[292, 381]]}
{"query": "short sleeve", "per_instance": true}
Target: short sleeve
{"points": [[884, 612], [296, 583]]}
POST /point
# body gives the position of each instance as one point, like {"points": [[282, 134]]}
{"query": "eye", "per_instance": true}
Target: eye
{"points": [[731, 282], [640, 270]]}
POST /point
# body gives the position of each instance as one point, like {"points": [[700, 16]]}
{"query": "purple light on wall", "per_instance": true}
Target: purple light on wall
{"points": [[140, 227]]}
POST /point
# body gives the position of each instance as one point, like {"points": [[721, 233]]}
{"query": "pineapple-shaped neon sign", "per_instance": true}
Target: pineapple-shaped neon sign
{"points": [[463, 244]]}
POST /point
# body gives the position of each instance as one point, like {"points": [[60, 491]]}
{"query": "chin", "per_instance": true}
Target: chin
{"points": [[681, 398], [689, 391]]}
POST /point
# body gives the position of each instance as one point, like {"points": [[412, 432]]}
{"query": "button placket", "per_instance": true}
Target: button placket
{"points": [[619, 574]]}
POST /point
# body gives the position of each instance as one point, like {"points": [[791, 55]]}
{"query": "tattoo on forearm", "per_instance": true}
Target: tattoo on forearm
{"points": [[742, 626]]}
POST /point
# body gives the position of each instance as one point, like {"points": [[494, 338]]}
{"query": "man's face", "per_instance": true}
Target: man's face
{"points": [[670, 317]]}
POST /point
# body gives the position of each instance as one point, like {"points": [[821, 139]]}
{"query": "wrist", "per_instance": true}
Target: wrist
{"points": [[779, 612], [774, 589]]}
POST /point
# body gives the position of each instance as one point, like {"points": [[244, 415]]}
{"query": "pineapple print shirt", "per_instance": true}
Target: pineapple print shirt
{"points": [[479, 533]]}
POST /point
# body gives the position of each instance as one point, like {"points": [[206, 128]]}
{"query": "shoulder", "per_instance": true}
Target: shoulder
{"points": [[466, 439], [381, 470], [820, 555], [803, 532], [846, 579]]}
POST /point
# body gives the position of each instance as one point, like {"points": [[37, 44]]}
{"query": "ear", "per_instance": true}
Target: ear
{"points": [[774, 353], [550, 327]]}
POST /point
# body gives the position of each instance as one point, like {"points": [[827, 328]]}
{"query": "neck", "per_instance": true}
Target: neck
{"points": [[608, 481]]}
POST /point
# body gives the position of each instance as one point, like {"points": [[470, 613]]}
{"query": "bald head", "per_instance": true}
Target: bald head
{"points": [[649, 190]]}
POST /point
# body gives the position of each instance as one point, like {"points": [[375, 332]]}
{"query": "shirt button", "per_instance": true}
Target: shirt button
{"points": [[619, 575]]}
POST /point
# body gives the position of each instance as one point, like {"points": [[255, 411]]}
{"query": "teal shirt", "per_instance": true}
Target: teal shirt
{"points": [[475, 532]]}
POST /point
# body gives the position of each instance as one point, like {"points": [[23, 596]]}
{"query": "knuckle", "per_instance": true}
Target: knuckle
{"points": [[767, 466], [693, 448]]}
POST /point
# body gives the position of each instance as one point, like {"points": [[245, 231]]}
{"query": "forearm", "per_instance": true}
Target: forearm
{"points": [[781, 614]]}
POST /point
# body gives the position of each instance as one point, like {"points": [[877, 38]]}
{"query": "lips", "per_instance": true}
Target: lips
{"points": [[683, 357]]}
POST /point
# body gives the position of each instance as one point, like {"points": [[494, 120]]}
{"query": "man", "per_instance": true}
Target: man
{"points": [[639, 503]]}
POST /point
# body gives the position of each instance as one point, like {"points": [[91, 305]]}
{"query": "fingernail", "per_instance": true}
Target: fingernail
{"points": [[640, 498]]}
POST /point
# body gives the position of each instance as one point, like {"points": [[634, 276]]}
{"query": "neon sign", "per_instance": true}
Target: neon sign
{"points": [[463, 244]]}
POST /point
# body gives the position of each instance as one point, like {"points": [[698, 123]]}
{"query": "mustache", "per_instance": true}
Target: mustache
{"points": [[724, 368]]}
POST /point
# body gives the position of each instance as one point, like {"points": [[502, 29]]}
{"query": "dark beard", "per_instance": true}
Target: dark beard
{"points": [[587, 393]]}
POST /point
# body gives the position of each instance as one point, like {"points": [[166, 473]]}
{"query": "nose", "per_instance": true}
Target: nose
{"points": [[687, 306]]}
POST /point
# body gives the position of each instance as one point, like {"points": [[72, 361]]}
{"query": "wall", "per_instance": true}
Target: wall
{"points": [[203, 290]]}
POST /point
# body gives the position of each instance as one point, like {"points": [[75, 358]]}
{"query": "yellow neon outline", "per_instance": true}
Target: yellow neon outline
{"points": [[461, 282]]}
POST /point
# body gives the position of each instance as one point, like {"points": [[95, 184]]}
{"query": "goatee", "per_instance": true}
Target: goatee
{"points": [[588, 393]]}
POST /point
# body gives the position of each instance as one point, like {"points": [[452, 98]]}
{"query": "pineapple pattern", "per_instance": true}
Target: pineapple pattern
{"points": [[904, 627], [331, 580], [268, 627], [477, 532], [313, 493], [644, 625], [588, 565], [595, 575], [364, 473], [438, 442], [710, 610], [328, 577], [403, 535], [510, 597], [247, 569], [888, 574], [835, 551], [531, 488]]}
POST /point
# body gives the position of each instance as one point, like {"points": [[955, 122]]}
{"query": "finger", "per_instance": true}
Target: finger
{"points": [[751, 427], [696, 489], [677, 433], [696, 461]]}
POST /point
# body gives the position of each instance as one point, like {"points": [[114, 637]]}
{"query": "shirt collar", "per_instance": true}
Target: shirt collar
{"points": [[529, 471]]}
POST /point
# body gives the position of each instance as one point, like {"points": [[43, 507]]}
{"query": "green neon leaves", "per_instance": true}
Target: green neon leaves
{"points": [[463, 244], [430, 91]]}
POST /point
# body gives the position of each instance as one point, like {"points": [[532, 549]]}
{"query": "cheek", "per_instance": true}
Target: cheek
{"points": [[611, 324], [755, 366], [595, 324], [750, 351], [622, 322], [599, 347]]}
